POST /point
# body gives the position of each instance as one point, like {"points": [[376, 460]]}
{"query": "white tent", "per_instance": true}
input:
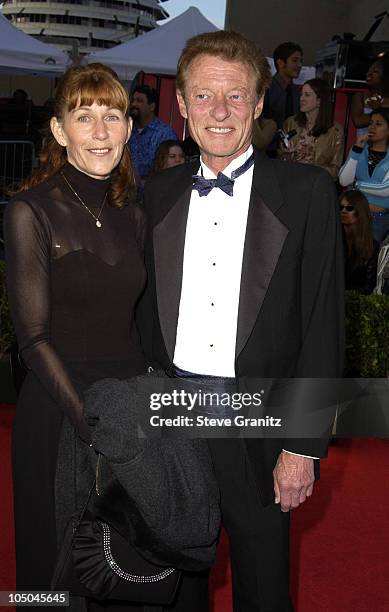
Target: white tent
{"points": [[23, 54], [158, 50]]}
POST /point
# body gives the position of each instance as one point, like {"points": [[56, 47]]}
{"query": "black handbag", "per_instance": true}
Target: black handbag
{"points": [[96, 561]]}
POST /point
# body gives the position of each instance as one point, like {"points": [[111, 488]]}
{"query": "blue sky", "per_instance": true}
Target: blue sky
{"points": [[214, 10]]}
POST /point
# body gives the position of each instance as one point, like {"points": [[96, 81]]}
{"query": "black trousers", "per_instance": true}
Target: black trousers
{"points": [[259, 540]]}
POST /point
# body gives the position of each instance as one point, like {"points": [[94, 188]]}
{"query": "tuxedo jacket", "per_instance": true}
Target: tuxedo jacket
{"points": [[290, 317]]}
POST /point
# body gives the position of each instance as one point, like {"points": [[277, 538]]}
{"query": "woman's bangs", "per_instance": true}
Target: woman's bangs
{"points": [[102, 92]]}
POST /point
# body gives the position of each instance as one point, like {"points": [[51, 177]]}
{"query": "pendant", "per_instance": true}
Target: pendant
{"points": [[98, 223]]}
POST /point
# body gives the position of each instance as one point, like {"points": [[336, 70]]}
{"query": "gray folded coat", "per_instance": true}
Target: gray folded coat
{"points": [[160, 494]]}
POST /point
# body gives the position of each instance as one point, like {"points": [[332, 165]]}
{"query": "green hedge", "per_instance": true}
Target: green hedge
{"points": [[367, 335], [7, 335]]}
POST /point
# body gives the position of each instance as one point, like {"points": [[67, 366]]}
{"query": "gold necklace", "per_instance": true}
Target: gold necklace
{"points": [[97, 219]]}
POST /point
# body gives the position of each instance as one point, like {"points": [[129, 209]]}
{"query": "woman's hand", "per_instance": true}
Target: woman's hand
{"points": [[361, 140], [285, 154]]}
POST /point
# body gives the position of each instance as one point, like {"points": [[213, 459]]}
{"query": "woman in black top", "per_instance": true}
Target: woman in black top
{"points": [[361, 249], [75, 271]]}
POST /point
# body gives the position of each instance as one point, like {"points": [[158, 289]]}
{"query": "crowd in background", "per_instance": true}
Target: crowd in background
{"points": [[296, 125]]}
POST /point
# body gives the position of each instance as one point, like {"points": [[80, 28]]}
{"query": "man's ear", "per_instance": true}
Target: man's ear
{"points": [[58, 132], [182, 104], [258, 107], [279, 64]]}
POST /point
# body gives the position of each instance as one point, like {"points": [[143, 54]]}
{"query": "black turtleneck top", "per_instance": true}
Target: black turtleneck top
{"points": [[73, 287]]}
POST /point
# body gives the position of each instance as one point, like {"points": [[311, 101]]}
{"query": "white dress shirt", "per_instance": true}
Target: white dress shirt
{"points": [[213, 254]]}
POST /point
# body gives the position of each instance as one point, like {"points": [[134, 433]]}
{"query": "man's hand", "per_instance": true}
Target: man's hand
{"points": [[293, 480], [374, 101]]}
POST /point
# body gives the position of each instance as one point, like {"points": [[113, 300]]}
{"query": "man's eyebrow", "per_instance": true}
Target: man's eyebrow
{"points": [[201, 87]]}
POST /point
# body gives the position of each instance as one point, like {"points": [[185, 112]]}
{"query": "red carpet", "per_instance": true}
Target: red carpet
{"points": [[339, 539], [7, 554]]}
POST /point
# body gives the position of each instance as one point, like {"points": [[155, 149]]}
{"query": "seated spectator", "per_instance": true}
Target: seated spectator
{"points": [[361, 250], [169, 153], [377, 82], [311, 136], [149, 131], [367, 167]]}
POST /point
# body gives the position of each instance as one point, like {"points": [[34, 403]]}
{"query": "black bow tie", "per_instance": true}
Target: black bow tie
{"points": [[204, 186]]}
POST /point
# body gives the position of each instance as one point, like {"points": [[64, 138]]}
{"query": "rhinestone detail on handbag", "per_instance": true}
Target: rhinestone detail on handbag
{"points": [[121, 573]]}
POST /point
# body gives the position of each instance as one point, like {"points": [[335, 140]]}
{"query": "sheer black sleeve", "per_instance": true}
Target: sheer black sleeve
{"points": [[27, 242]]}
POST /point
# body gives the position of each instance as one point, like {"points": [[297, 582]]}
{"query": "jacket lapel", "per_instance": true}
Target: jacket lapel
{"points": [[265, 237], [169, 242]]}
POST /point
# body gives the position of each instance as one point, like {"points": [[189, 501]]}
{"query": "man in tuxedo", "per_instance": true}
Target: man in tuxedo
{"points": [[244, 263]]}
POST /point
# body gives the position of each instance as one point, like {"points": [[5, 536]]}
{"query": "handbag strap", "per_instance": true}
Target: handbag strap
{"points": [[85, 506], [93, 489]]}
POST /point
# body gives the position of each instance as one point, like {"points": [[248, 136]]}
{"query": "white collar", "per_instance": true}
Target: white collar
{"points": [[233, 165]]}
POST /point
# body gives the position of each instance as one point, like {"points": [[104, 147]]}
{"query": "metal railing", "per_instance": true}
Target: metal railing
{"points": [[17, 160]]}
